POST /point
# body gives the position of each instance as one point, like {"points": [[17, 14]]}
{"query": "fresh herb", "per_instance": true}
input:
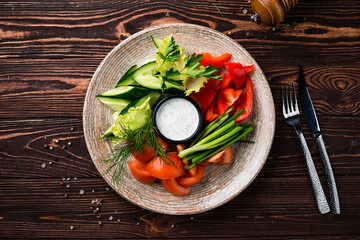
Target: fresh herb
{"points": [[137, 140], [171, 54], [192, 66]]}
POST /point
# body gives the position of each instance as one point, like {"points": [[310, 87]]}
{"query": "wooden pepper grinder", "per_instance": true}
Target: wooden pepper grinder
{"points": [[270, 12]]}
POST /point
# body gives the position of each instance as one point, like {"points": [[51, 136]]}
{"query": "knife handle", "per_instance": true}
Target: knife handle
{"points": [[315, 181], [334, 197]]}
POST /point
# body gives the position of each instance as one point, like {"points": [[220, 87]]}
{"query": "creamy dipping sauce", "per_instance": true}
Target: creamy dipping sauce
{"points": [[177, 119]]}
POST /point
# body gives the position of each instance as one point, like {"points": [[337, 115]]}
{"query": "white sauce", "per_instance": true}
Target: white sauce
{"points": [[177, 119]]}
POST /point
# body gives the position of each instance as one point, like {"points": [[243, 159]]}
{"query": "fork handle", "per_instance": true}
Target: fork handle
{"points": [[315, 181], [334, 197]]}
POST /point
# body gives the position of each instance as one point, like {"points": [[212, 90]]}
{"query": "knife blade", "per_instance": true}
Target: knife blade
{"points": [[311, 119], [307, 105]]}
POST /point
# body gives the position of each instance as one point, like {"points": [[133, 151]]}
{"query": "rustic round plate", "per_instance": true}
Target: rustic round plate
{"points": [[220, 183]]}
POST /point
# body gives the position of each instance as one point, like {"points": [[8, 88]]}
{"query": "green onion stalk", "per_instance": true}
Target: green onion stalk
{"points": [[217, 136]]}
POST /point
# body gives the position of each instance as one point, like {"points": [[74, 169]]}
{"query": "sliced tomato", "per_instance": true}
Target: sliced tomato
{"points": [[165, 145], [218, 62], [216, 159], [192, 171], [138, 171], [173, 187], [245, 100], [208, 93], [223, 157], [227, 98], [147, 153], [188, 181], [228, 155], [161, 170]]}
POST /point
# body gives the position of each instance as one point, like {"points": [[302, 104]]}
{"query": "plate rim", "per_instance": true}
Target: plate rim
{"points": [[273, 116]]}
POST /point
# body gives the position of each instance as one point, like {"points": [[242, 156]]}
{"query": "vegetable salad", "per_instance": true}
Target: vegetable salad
{"points": [[225, 101]]}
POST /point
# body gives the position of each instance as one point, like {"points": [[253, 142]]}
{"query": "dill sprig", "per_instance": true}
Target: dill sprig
{"points": [[135, 141], [117, 160]]}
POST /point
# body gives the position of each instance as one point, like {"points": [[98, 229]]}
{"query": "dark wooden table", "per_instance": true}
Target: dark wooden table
{"points": [[48, 54]]}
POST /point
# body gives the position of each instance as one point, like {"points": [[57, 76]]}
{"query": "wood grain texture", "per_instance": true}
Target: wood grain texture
{"points": [[278, 207], [48, 54], [23, 152], [49, 58]]}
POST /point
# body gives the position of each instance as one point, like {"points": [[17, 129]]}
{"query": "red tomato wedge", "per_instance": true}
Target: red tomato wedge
{"points": [[173, 187], [245, 100], [157, 168], [138, 171], [218, 62], [165, 145], [223, 157], [228, 155], [188, 181], [227, 98], [148, 153], [214, 160]]}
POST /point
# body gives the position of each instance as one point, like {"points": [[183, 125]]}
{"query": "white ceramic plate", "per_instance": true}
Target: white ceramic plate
{"points": [[220, 183]]}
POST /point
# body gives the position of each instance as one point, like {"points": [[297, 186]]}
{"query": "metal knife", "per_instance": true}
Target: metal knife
{"points": [[311, 119]]}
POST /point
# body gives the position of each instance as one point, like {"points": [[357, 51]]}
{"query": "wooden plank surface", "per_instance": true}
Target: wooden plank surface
{"points": [[49, 51]]}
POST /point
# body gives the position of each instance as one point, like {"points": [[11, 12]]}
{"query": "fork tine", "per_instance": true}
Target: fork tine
{"points": [[287, 98], [296, 107], [291, 98], [283, 100]]}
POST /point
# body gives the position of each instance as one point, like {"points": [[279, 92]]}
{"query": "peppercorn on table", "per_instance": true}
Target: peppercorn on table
{"points": [[50, 188]]}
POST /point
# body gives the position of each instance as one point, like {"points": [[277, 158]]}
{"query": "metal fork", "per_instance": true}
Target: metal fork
{"points": [[292, 118]]}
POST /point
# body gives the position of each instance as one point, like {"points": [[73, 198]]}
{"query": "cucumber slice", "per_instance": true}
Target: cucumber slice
{"points": [[156, 41], [128, 82], [126, 92], [126, 79], [154, 96], [116, 104], [145, 76]]}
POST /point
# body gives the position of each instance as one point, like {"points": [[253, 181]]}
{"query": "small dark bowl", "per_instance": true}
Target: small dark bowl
{"points": [[198, 129]]}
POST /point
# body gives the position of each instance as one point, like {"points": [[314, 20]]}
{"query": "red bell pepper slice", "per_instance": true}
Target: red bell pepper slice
{"points": [[249, 68], [245, 100], [211, 112], [207, 93], [227, 79], [218, 62], [237, 72], [227, 98]]}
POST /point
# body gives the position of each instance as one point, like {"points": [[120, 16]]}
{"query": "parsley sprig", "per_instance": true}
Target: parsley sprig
{"points": [[172, 52], [192, 66]]}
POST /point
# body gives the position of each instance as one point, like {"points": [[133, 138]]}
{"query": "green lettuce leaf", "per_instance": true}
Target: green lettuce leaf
{"points": [[136, 118]]}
